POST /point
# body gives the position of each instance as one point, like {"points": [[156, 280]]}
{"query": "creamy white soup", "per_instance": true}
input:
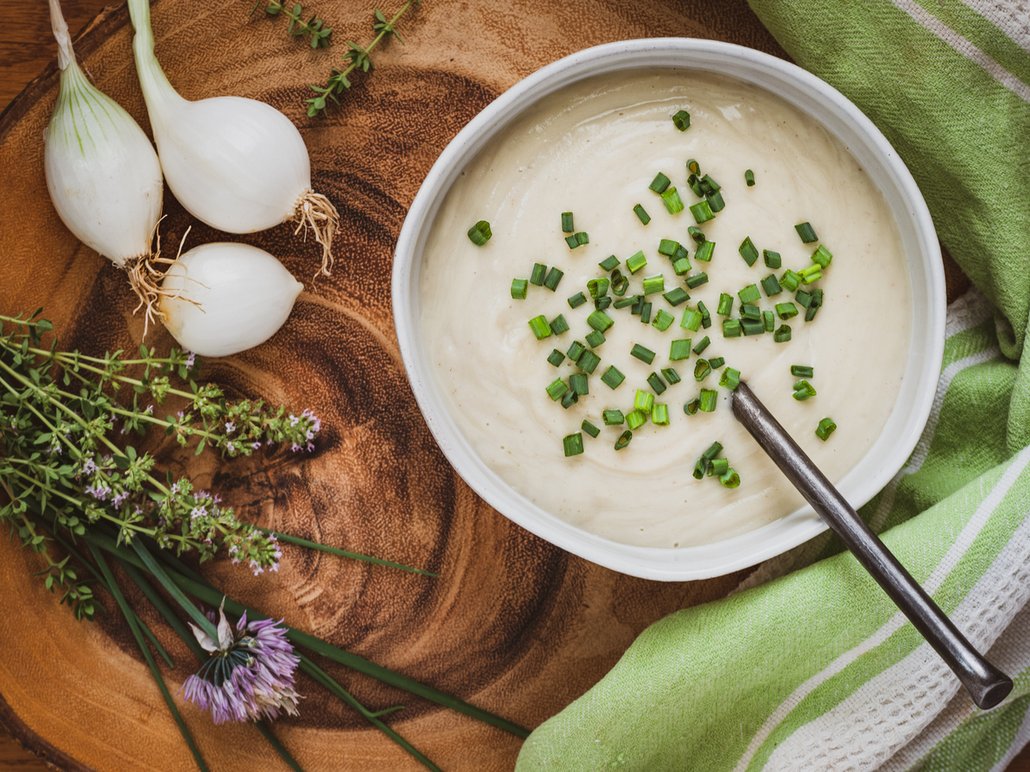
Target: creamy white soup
{"points": [[593, 149]]}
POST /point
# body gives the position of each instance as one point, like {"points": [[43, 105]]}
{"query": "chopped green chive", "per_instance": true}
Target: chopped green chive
{"points": [[638, 305], [691, 319], [752, 326], [725, 307], [612, 377], [577, 239], [579, 384], [679, 349], [730, 378], [602, 303], [567, 223], [670, 375], [750, 294], [702, 370], [519, 288], [826, 427], [790, 280], [691, 408], [559, 325], [654, 284], [730, 328], [656, 383], [600, 321], [680, 266], [804, 298], [538, 274], [694, 182], [668, 247], [595, 338], [681, 120], [589, 428], [642, 353], [802, 371], [598, 287], [610, 263], [702, 344], [803, 390], [693, 166], [705, 460], [675, 297], [577, 300], [697, 280], [706, 316], [810, 273], [552, 278], [660, 183], [708, 399], [715, 200], [556, 390], [612, 417], [749, 178], [673, 202], [588, 361], [627, 301], [555, 357], [782, 334], [750, 311], [570, 399], [716, 362], [702, 211], [748, 251], [663, 320], [772, 259], [642, 400], [718, 467], [822, 256], [636, 418], [696, 234], [480, 233], [660, 415], [623, 440], [710, 185], [771, 285], [704, 252], [641, 214], [573, 444], [636, 261], [768, 321], [730, 479], [575, 351], [645, 313], [540, 327], [786, 310], [619, 283], [806, 232]]}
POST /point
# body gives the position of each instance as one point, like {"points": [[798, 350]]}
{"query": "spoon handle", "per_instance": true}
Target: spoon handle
{"points": [[987, 685]]}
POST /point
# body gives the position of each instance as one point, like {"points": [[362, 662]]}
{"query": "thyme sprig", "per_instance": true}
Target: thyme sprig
{"points": [[359, 59], [314, 28], [60, 432]]}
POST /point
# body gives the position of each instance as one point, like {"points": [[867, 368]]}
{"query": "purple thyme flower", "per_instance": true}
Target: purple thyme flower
{"points": [[99, 491], [119, 499], [190, 360], [230, 427], [250, 674], [89, 466]]}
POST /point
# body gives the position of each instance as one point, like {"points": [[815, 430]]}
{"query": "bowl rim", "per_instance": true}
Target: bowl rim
{"points": [[771, 539]]}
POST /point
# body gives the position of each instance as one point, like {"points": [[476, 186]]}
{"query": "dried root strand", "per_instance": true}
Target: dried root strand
{"points": [[145, 280], [317, 212]]}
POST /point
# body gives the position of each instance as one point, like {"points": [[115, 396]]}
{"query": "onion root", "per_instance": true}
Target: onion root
{"points": [[317, 212]]}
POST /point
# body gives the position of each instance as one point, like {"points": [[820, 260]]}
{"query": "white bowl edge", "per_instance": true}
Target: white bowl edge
{"points": [[865, 142]]}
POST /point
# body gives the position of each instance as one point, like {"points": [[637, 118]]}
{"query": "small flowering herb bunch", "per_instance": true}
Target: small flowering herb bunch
{"points": [[66, 417], [99, 513]]}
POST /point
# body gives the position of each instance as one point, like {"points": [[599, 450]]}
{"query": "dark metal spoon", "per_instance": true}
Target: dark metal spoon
{"points": [[987, 685]]}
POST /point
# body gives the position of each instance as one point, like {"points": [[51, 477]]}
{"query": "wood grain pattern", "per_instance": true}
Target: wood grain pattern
{"points": [[513, 624]]}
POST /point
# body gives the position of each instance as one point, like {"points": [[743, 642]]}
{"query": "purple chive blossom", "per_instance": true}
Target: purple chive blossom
{"points": [[250, 674]]}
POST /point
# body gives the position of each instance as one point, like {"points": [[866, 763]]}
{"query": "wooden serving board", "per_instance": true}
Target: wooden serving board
{"points": [[512, 623]]}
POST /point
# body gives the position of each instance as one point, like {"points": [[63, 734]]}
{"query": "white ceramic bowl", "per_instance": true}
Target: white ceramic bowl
{"points": [[869, 147]]}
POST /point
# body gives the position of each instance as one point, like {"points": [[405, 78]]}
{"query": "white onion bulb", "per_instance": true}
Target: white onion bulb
{"points": [[102, 172], [237, 164], [220, 299]]}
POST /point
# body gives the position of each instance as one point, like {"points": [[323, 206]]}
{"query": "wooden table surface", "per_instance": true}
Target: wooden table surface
{"points": [[26, 47]]}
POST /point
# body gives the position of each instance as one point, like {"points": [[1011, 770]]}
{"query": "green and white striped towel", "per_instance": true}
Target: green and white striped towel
{"points": [[809, 665]]}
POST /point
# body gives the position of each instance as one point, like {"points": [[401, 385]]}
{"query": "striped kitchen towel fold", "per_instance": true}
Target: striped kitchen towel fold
{"points": [[809, 665]]}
